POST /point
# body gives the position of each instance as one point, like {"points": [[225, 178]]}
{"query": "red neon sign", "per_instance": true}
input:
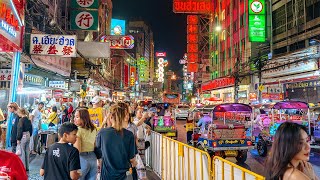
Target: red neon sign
{"points": [[192, 67], [6, 15], [193, 6], [192, 19], [192, 57], [161, 54], [218, 83]]}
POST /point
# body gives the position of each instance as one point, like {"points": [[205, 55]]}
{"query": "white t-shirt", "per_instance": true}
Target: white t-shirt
{"points": [[141, 128], [37, 118]]}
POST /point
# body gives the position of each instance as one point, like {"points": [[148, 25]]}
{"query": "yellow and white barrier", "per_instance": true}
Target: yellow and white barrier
{"points": [[226, 170], [174, 160]]}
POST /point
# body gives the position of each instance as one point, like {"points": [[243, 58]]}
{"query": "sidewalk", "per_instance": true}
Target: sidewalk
{"points": [[36, 162]]}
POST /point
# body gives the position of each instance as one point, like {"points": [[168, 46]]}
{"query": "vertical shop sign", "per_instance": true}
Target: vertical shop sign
{"points": [[192, 40], [257, 21], [84, 20], [142, 69], [53, 45], [90, 4], [160, 70]]}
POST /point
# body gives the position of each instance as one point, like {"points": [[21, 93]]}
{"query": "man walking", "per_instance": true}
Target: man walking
{"points": [[35, 118]]}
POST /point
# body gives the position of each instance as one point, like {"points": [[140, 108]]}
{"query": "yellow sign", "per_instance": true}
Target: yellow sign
{"points": [[261, 87]]}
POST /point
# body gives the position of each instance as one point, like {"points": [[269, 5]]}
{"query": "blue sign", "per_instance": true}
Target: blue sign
{"points": [[118, 27]]}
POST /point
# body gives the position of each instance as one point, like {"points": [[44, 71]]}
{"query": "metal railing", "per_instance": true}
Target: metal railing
{"points": [[174, 160], [223, 169]]}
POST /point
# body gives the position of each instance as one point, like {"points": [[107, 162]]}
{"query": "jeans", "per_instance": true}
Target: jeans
{"points": [[88, 162], [34, 139], [25, 151]]}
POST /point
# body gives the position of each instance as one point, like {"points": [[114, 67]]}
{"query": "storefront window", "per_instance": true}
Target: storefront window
{"points": [[242, 94], [227, 97]]}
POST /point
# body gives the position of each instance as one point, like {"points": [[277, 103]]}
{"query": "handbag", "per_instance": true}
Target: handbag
{"points": [[51, 122], [18, 150]]}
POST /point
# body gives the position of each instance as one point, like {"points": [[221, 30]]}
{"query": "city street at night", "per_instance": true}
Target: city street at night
{"points": [[166, 89]]}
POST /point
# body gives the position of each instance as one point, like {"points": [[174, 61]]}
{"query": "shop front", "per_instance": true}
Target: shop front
{"points": [[11, 35], [222, 90], [292, 77]]}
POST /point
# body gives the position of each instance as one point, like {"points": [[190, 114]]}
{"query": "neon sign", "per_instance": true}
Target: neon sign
{"points": [[192, 6], [8, 21]]}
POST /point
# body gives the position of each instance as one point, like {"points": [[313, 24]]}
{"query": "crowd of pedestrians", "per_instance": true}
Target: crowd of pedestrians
{"points": [[96, 140]]}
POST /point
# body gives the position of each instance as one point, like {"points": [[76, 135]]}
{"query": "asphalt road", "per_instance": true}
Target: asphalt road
{"points": [[254, 162]]}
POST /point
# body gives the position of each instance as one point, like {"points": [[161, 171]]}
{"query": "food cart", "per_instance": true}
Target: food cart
{"points": [[284, 111], [227, 135]]}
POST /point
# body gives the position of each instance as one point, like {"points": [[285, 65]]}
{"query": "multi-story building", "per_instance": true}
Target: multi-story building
{"points": [[143, 52], [144, 45], [293, 72], [230, 49]]}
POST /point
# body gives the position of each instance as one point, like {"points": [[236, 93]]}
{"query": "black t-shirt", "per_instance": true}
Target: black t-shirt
{"points": [[59, 160], [117, 150]]}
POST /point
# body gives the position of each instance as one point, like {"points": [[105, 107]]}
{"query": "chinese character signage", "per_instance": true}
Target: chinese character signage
{"points": [[84, 20], [118, 27], [5, 74], [9, 25], [55, 45], [119, 42], [257, 21], [90, 4], [193, 6], [192, 40]]}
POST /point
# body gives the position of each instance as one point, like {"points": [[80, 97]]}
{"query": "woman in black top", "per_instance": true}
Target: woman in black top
{"points": [[24, 131]]}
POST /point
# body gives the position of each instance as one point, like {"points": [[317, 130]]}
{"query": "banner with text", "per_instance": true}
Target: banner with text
{"points": [[54, 45]]}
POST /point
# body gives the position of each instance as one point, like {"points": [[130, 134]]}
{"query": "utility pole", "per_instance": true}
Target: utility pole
{"points": [[236, 80]]}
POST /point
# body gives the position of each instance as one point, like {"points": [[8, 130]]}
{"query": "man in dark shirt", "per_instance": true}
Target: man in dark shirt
{"points": [[62, 161], [118, 150]]}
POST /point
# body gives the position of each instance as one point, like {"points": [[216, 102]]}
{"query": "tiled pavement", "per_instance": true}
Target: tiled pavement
{"points": [[36, 162]]}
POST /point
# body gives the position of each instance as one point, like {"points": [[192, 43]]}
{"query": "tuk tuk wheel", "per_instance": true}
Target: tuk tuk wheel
{"points": [[262, 148], [242, 156]]}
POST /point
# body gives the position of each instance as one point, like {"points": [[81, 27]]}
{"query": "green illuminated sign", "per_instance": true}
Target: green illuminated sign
{"points": [[257, 21], [257, 28], [257, 7]]}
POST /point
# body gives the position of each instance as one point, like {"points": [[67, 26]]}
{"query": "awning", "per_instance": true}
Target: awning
{"points": [[94, 49]]}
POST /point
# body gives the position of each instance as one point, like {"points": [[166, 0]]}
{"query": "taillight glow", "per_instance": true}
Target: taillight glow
{"points": [[249, 143], [214, 144]]}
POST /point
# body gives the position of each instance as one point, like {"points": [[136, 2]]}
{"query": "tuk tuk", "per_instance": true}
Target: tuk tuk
{"points": [[227, 136], [284, 111]]}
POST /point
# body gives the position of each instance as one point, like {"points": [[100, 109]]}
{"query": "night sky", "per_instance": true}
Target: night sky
{"points": [[169, 28]]}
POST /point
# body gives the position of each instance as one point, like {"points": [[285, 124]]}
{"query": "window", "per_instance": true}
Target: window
{"points": [[223, 35], [279, 20], [242, 20], [235, 26], [223, 15], [312, 9]]}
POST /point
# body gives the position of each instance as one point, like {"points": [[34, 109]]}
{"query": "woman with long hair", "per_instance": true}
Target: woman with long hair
{"points": [[117, 146], [13, 108], [85, 143], [289, 156], [24, 132]]}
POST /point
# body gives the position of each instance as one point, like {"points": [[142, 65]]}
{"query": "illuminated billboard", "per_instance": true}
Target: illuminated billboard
{"points": [[118, 27], [161, 54], [257, 21]]}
